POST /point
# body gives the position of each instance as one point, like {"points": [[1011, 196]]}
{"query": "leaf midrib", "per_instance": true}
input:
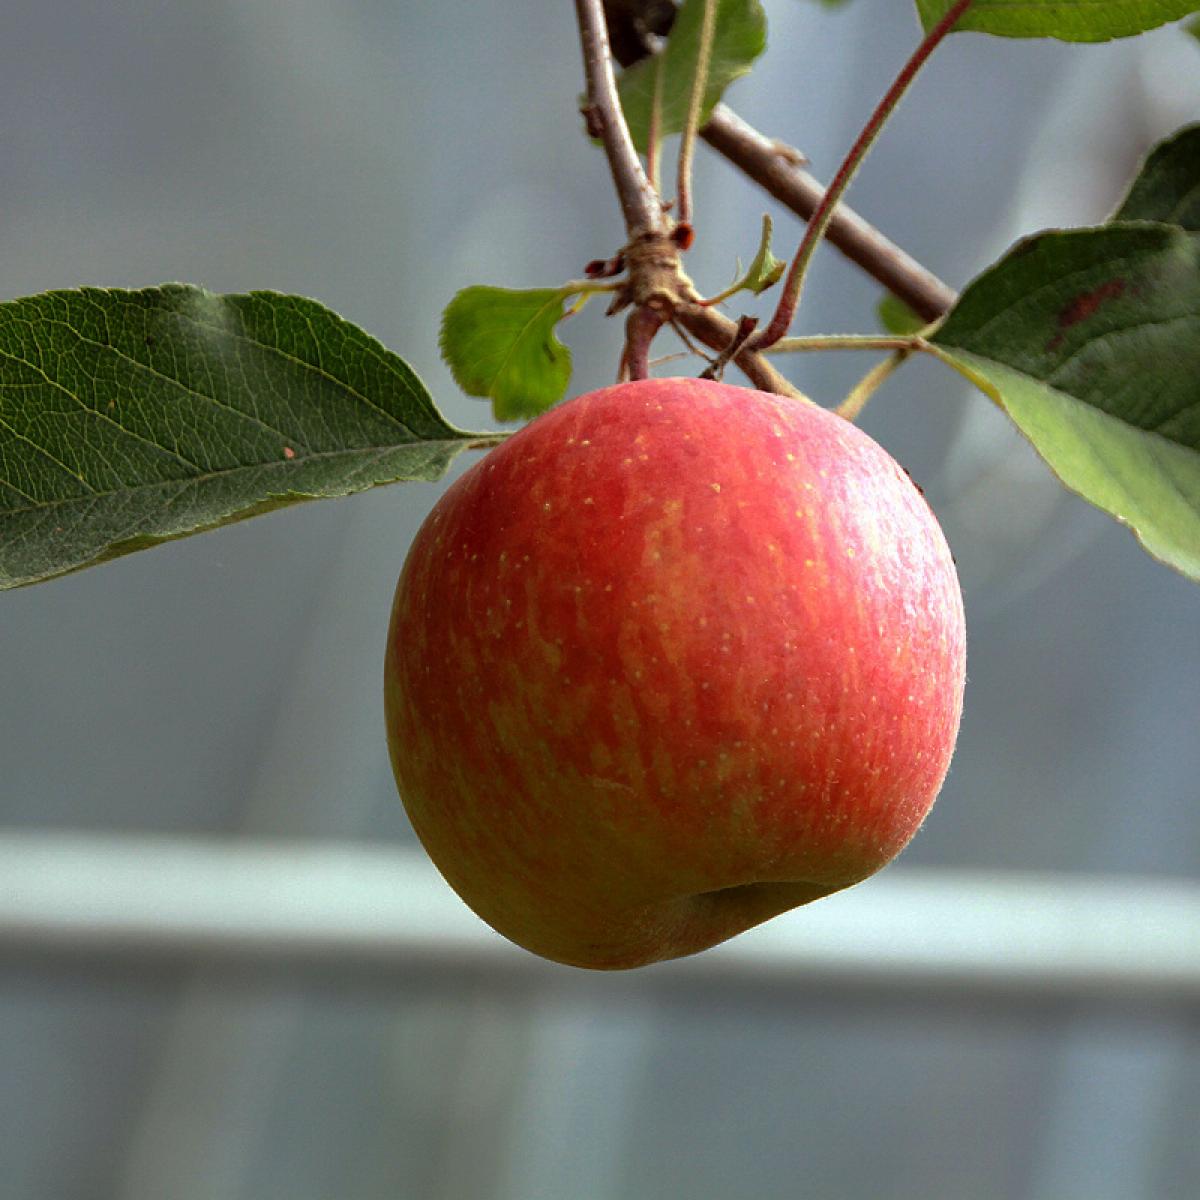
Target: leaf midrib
{"points": [[289, 464]]}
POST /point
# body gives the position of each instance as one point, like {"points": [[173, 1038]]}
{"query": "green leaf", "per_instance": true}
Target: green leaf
{"points": [[740, 36], [1090, 340], [765, 270], [896, 317], [501, 345], [1167, 188], [1067, 20], [128, 418]]}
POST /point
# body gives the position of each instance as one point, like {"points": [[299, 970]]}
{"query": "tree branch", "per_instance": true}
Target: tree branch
{"points": [[717, 331], [640, 204], [778, 172]]}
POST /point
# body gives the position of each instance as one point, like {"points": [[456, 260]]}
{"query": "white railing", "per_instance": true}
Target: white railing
{"points": [[321, 903]]}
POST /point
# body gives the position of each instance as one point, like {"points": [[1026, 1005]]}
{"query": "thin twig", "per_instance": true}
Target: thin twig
{"points": [[677, 356], [687, 141], [716, 368], [640, 204], [776, 169], [716, 331], [786, 308], [693, 348]]}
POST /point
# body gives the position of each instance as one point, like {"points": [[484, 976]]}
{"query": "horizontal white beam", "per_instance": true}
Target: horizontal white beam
{"points": [[262, 902]]}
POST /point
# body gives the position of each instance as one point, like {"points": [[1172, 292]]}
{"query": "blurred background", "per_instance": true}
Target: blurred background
{"points": [[226, 972]]}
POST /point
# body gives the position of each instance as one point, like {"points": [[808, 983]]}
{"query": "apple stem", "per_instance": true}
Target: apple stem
{"points": [[790, 299], [640, 328]]}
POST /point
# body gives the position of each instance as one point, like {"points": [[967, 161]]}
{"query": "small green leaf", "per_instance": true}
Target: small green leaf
{"points": [[1167, 188], [766, 270], [1090, 340], [128, 418], [739, 38], [501, 345], [1067, 20], [896, 317]]}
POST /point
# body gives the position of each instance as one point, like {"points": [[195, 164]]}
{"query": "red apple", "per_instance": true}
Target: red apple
{"points": [[675, 658]]}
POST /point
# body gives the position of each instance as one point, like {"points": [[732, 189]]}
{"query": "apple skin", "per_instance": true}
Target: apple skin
{"points": [[675, 658]]}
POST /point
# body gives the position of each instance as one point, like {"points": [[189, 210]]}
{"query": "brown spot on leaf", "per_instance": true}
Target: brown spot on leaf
{"points": [[1083, 306]]}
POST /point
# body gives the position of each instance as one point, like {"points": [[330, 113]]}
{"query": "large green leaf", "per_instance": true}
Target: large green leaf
{"points": [[1167, 188], [739, 37], [1090, 340], [128, 418], [1067, 20], [500, 345]]}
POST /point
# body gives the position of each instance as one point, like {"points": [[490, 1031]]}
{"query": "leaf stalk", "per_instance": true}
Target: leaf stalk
{"points": [[790, 299], [687, 140]]}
